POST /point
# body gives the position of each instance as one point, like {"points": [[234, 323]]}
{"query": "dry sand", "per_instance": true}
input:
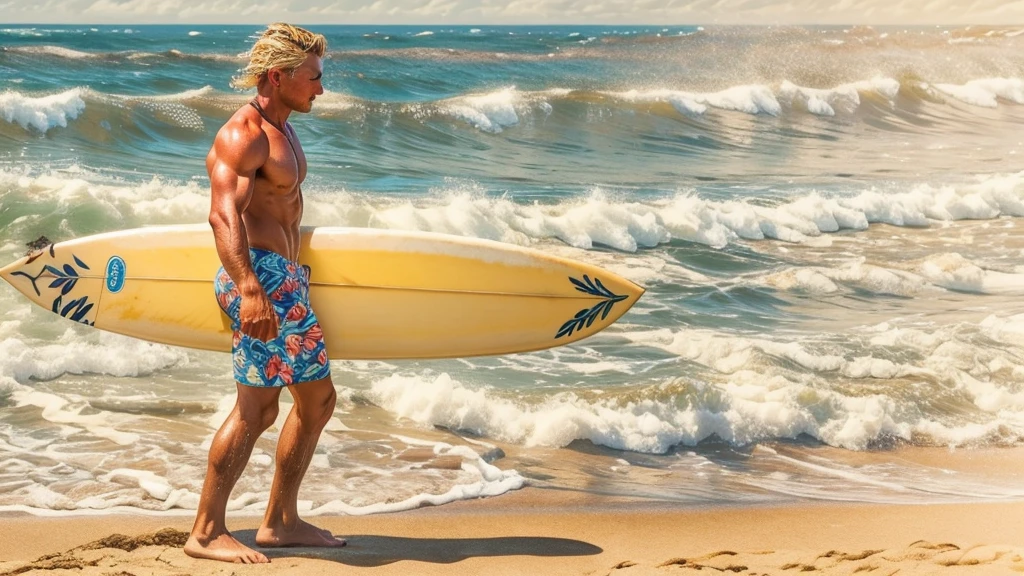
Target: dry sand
{"points": [[537, 531]]}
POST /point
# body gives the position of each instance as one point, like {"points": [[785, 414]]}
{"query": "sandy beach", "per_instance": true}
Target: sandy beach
{"points": [[825, 372], [534, 531]]}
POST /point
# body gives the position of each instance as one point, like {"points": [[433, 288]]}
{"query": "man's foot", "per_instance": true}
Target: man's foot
{"points": [[303, 534], [224, 548]]}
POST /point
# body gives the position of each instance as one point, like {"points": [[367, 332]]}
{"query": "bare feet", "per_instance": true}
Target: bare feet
{"points": [[224, 548], [303, 534]]}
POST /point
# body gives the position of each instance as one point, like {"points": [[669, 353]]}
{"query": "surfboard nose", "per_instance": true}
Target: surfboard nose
{"points": [[604, 298], [57, 280], [20, 279]]}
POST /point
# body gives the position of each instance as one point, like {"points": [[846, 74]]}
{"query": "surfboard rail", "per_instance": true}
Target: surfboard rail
{"points": [[379, 294]]}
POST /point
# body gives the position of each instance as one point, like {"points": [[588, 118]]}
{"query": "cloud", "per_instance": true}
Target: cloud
{"points": [[432, 12]]}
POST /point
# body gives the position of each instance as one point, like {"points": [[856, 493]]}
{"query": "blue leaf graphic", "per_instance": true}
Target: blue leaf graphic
{"points": [[79, 262], [54, 271], [70, 271], [585, 318], [566, 329], [579, 285], [69, 286], [81, 312], [64, 311], [58, 282]]}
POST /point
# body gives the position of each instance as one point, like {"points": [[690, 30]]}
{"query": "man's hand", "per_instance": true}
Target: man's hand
{"points": [[258, 317]]}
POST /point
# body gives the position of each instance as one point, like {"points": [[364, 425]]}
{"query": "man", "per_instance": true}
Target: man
{"points": [[256, 168]]}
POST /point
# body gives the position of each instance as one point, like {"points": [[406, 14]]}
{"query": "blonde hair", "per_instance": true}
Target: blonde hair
{"points": [[279, 46]]}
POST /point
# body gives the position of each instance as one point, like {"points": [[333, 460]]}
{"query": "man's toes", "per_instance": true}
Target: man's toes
{"points": [[253, 558]]}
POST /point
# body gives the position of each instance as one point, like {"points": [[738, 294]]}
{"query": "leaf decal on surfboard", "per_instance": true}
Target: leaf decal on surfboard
{"points": [[585, 318], [64, 279]]}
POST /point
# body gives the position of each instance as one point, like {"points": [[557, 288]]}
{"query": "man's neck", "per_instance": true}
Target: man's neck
{"points": [[272, 110]]}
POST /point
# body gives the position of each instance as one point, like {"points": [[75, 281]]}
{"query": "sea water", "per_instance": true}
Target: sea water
{"points": [[829, 223]]}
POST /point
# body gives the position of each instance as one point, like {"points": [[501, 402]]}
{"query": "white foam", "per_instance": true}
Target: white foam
{"points": [[80, 351], [59, 51], [581, 224], [485, 480], [488, 112], [846, 97], [752, 99], [98, 353], [1007, 330], [937, 273], [953, 271], [778, 402], [43, 112], [986, 92], [154, 202], [180, 96], [598, 219], [154, 485], [492, 111], [750, 407]]}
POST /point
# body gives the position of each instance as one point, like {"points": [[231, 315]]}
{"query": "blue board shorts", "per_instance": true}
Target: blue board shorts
{"points": [[298, 354]]}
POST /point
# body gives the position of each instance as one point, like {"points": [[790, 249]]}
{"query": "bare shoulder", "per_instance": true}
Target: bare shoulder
{"points": [[241, 143]]}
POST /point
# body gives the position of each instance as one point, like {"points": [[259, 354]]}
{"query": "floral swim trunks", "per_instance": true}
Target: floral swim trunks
{"points": [[298, 354]]}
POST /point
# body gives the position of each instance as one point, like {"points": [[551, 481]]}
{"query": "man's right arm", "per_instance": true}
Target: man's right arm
{"points": [[240, 149]]}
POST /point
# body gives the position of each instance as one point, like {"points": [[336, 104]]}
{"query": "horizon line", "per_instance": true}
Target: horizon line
{"points": [[419, 25]]}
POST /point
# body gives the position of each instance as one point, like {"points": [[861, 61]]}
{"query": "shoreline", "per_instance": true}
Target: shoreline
{"points": [[538, 531]]}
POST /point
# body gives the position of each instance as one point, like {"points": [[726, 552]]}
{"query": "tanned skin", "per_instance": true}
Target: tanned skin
{"points": [[256, 169]]}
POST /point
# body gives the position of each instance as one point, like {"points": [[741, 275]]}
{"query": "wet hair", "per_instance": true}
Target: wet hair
{"points": [[280, 46]]}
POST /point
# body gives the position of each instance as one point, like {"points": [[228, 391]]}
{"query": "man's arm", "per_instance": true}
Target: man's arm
{"points": [[240, 149]]}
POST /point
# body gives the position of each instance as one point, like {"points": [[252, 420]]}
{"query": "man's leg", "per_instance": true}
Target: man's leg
{"points": [[255, 410], [314, 406]]}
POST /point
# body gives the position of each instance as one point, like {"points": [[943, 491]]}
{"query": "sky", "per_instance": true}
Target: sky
{"points": [[424, 12]]}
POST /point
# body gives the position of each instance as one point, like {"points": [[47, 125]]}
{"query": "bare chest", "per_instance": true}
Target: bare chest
{"points": [[285, 168]]}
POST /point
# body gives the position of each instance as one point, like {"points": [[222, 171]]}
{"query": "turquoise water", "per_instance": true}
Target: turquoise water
{"points": [[827, 221]]}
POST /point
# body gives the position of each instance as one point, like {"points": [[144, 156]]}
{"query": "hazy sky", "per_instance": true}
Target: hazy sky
{"points": [[656, 12]]}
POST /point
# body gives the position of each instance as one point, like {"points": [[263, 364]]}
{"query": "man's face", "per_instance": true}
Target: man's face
{"points": [[298, 89]]}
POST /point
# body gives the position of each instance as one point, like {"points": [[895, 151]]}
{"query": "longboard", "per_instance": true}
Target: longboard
{"points": [[378, 294]]}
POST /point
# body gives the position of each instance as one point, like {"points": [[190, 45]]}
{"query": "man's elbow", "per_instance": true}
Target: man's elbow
{"points": [[219, 221]]}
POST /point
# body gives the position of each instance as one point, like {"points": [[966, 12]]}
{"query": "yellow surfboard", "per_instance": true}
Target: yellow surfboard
{"points": [[378, 294]]}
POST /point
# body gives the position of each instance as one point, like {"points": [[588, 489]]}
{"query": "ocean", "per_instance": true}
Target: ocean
{"points": [[829, 223]]}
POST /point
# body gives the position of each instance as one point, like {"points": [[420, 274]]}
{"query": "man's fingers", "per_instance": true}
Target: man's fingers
{"points": [[269, 329], [265, 329]]}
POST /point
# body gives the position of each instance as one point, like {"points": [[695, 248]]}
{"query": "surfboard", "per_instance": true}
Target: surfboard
{"points": [[378, 294]]}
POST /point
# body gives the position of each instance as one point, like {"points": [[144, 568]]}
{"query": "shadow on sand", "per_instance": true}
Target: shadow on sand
{"points": [[367, 550]]}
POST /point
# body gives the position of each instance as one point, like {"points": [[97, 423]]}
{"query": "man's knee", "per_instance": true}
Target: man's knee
{"points": [[329, 404], [316, 401], [258, 410], [326, 406]]}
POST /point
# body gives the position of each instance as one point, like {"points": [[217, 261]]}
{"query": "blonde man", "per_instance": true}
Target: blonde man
{"points": [[256, 169]]}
